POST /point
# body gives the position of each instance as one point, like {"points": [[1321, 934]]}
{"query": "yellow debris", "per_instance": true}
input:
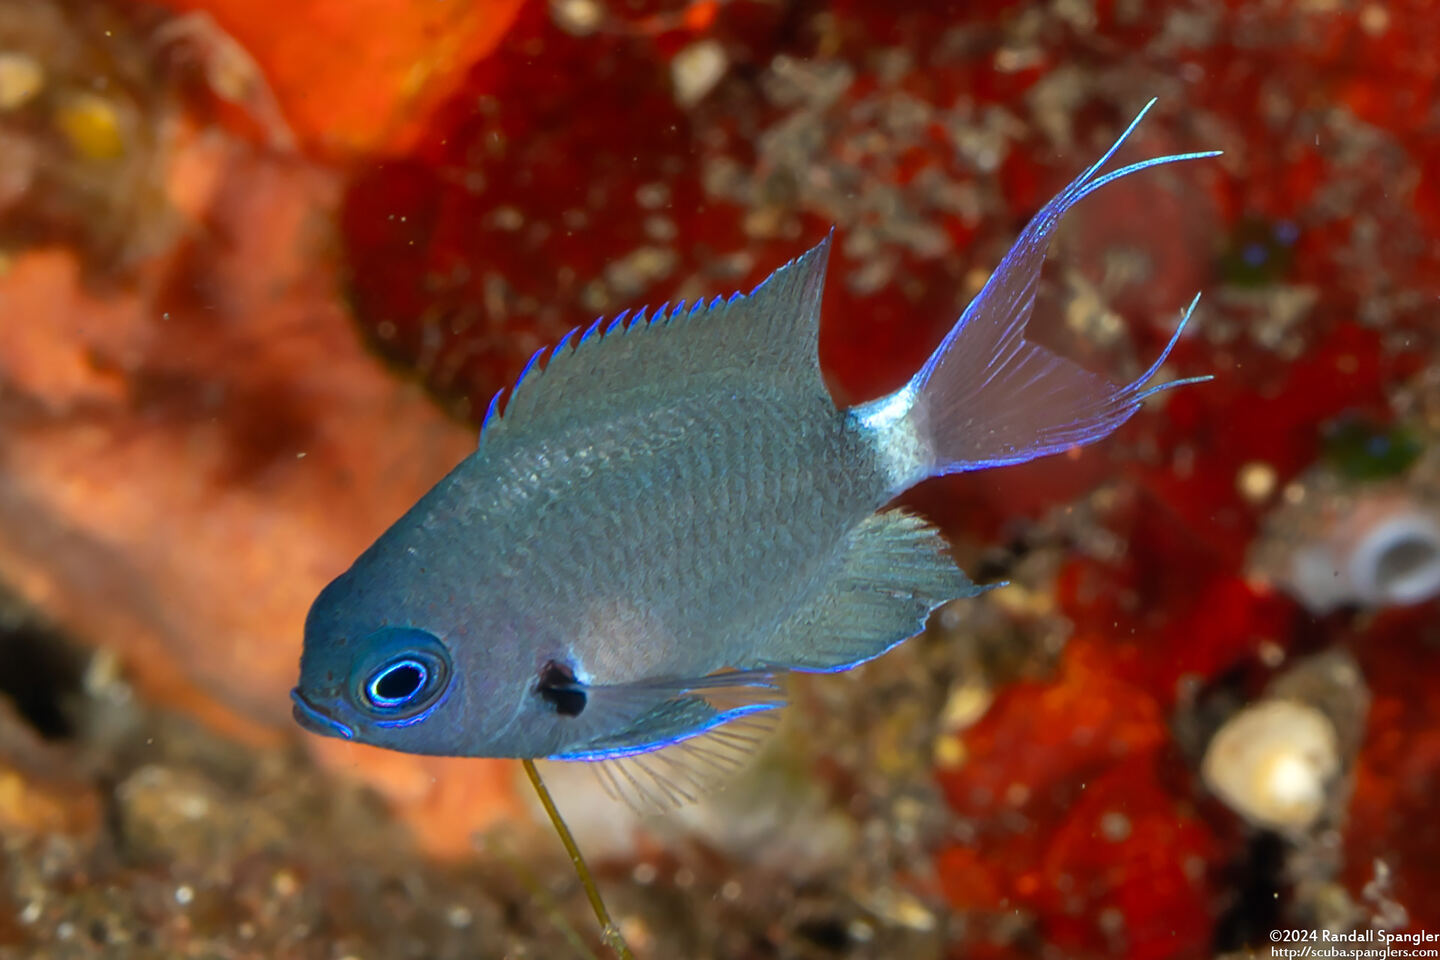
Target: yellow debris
{"points": [[92, 126], [21, 78]]}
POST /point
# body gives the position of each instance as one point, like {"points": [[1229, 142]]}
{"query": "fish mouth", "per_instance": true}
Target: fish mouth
{"points": [[316, 721]]}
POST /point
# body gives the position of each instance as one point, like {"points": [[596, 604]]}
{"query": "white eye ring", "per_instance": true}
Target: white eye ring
{"points": [[376, 689]]}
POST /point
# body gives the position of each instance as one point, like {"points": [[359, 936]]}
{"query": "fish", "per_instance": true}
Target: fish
{"points": [[671, 515]]}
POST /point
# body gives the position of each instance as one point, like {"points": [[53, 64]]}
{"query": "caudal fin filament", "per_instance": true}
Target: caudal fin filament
{"points": [[989, 397]]}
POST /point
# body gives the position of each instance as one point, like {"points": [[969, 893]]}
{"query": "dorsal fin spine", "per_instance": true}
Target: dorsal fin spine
{"points": [[773, 328], [563, 343], [491, 409], [529, 365]]}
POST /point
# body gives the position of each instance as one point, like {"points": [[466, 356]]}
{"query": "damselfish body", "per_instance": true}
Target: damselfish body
{"points": [[672, 513]]}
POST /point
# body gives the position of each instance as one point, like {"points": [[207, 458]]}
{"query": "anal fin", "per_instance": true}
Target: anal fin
{"points": [[892, 571]]}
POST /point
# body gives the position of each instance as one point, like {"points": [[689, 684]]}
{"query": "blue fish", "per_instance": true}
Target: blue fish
{"points": [[672, 513]]}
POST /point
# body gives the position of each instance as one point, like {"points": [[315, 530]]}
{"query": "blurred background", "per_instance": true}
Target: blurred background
{"points": [[262, 263]]}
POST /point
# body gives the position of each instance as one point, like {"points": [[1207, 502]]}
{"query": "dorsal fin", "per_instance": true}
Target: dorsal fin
{"points": [[770, 335]]}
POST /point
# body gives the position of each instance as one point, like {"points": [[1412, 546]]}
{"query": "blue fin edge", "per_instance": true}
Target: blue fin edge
{"points": [[1131, 396], [640, 318], [852, 664], [617, 753]]}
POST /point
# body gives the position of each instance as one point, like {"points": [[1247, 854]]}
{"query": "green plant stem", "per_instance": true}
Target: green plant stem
{"points": [[608, 930]]}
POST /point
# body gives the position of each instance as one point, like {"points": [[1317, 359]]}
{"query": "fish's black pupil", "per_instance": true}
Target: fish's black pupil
{"points": [[399, 682], [558, 688]]}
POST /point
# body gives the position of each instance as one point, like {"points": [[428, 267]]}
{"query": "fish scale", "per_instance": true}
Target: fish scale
{"points": [[679, 551]]}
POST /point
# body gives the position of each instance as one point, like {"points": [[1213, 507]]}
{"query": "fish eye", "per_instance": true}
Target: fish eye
{"points": [[400, 674], [396, 684]]}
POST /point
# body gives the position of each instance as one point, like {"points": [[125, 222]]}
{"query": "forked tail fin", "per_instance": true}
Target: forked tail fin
{"points": [[988, 397]]}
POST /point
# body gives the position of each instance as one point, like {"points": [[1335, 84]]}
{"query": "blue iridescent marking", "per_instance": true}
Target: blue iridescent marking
{"points": [[618, 753], [1114, 175], [492, 409], [342, 730], [590, 330], [1165, 355], [530, 365], [372, 689], [841, 668], [417, 718], [1131, 403]]}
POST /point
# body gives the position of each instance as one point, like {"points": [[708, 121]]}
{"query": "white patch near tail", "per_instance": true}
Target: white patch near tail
{"points": [[988, 397], [902, 452]]}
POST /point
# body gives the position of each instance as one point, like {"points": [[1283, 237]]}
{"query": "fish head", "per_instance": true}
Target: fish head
{"points": [[430, 643], [390, 669]]}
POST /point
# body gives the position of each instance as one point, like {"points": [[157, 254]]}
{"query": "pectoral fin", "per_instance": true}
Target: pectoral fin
{"points": [[694, 735]]}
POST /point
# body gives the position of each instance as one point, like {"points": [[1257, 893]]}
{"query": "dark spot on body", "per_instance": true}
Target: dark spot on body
{"points": [[559, 688]]}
